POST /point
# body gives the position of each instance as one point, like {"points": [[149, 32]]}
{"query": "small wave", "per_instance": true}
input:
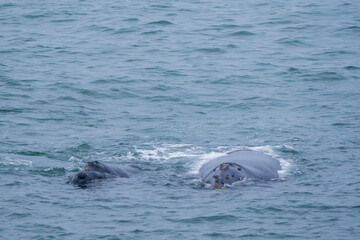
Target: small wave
{"points": [[75, 164], [131, 20], [161, 23], [35, 15], [210, 50], [160, 6], [32, 153], [11, 161], [6, 5], [214, 218], [12, 110], [242, 33], [166, 152], [125, 30], [93, 93], [323, 76], [334, 53], [341, 124], [231, 46], [37, 164], [101, 28], [354, 29], [66, 98], [352, 68], [50, 171], [287, 149], [294, 70], [74, 159], [162, 99], [64, 20], [119, 93], [152, 32], [291, 42], [220, 235], [11, 50], [276, 21], [18, 215], [227, 26]]}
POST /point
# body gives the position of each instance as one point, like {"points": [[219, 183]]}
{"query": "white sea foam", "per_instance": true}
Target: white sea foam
{"points": [[7, 161], [168, 152], [74, 162]]}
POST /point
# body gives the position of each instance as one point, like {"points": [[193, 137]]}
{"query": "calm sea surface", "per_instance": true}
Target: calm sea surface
{"points": [[167, 86]]}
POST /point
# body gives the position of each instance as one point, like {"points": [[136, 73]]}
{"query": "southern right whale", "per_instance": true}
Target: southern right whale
{"points": [[238, 165], [96, 170]]}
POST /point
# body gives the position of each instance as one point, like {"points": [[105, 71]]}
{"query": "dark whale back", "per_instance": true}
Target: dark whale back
{"points": [[239, 165], [96, 170]]}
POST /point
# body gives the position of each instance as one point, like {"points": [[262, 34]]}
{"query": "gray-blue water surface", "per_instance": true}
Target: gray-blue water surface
{"points": [[167, 86]]}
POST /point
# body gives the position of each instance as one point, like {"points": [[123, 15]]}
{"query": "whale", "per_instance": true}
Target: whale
{"points": [[95, 170], [237, 166]]}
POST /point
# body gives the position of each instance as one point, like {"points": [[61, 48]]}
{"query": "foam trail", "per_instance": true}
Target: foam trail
{"points": [[13, 161], [168, 152]]}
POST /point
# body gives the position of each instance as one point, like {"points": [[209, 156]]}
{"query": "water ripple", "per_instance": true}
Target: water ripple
{"points": [[166, 86], [161, 23]]}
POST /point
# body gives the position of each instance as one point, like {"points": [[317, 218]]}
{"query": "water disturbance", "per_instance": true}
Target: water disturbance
{"points": [[167, 86]]}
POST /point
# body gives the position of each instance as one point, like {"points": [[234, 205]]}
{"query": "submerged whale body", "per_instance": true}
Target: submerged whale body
{"points": [[239, 165], [96, 170]]}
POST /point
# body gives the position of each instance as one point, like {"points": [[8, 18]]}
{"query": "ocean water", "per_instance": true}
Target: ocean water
{"points": [[167, 86]]}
